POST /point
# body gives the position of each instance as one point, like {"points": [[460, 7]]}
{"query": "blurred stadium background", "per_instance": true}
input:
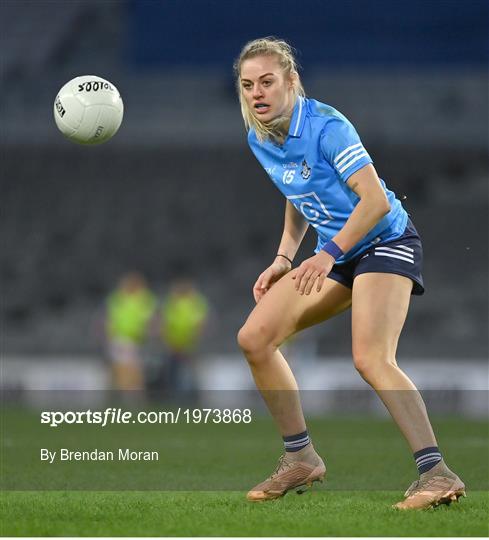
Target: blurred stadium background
{"points": [[177, 192]]}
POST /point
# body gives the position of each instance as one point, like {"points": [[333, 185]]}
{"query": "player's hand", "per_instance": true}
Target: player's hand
{"points": [[311, 270], [270, 276]]}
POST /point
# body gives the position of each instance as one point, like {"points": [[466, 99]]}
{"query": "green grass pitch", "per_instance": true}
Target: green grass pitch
{"points": [[369, 467], [228, 514]]}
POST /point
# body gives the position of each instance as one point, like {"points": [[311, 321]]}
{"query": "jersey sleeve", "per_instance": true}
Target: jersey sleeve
{"points": [[342, 147]]}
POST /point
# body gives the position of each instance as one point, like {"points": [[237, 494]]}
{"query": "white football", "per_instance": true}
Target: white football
{"points": [[88, 110]]}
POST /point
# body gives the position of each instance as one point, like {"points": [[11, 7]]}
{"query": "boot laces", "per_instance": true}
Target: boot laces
{"points": [[418, 486], [282, 465], [412, 488]]}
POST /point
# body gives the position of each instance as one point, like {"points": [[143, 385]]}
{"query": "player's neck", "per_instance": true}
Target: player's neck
{"points": [[279, 128]]}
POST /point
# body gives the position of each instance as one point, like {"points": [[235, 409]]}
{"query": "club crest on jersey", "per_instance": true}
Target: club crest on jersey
{"points": [[306, 170]]}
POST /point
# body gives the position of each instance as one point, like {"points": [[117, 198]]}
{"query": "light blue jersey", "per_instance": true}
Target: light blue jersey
{"points": [[321, 152]]}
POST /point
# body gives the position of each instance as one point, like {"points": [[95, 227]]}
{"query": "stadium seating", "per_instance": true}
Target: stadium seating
{"points": [[71, 226]]}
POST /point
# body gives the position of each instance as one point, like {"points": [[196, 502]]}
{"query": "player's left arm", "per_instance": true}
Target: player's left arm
{"points": [[371, 208]]}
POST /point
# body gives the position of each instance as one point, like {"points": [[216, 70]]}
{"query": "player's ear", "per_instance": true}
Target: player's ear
{"points": [[293, 79]]}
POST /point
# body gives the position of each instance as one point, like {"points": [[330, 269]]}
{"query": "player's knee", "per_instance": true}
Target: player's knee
{"points": [[253, 340], [371, 363], [362, 365]]}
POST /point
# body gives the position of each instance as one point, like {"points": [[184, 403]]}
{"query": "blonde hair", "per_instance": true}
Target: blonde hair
{"points": [[267, 46]]}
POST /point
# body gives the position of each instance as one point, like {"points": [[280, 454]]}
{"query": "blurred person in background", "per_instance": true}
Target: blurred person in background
{"points": [[129, 309], [182, 318], [368, 257]]}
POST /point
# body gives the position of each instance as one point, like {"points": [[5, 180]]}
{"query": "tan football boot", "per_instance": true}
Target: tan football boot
{"points": [[292, 472], [437, 486]]}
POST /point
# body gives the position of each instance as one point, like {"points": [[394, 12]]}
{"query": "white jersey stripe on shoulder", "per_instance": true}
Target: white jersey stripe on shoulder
{"points": [[340, 155], [351, 154], [350, 163], [405, 248], [382, 254], [297, 124], [398, 251]]}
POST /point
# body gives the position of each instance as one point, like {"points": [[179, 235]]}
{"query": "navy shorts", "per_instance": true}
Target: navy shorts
{"points": [[403, 256]]}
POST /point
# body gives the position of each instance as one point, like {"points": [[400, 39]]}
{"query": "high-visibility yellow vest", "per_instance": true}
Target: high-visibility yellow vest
{"points": [[182, 317], [129, 314]]}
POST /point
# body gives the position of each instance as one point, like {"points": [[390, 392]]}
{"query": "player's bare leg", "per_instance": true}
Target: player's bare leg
{"points": [[127, 376], [279, 314], [379, 307]]}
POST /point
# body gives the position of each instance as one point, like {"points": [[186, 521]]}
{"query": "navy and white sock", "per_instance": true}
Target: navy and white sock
{"points": [[294, 443], [427, 458]]}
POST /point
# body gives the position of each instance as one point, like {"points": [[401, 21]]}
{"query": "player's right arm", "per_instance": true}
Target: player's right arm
{"points": [[295, 227]]}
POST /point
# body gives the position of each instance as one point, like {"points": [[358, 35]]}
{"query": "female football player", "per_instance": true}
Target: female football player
{"points": [[368, 258]]}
